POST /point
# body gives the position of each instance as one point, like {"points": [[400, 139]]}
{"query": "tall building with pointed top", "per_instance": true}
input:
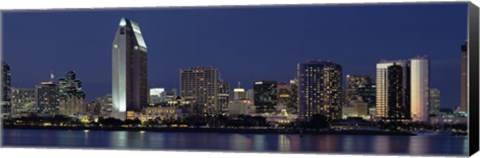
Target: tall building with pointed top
{"points": [[129, 70]]}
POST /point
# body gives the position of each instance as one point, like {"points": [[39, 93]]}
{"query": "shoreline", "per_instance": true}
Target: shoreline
{"points": [[218, 130]]}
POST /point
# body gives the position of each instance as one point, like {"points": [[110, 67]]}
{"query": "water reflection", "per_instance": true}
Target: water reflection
{"points": [[118, 139], [348, 145], [415, 145], [259, 142], [418, 145], [283, 143], [381, 145], [240, 142]]}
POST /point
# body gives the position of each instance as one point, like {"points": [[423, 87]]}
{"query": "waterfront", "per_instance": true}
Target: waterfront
{"points": [[288, 143]]}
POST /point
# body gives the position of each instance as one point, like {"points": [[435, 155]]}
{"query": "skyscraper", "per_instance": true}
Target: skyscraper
{"points": [[434, 101], [385, 91], [463, 78], [47, 102], [23, 101], [359, 91], [398, 107], [287, 96], [71, 95], [6, 90], [265, 96], [223, 95], [200, 85], [320, 88], [238, 94], [129, 69], [419, 95], [360, 88]]}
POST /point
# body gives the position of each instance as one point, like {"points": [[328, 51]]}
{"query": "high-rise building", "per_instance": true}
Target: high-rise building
{"points": [[105, 105], [5, 103], [223, 95], [287, 96], [129, 70], [359, 96], [360, 88], [71, 95], [47, 99], [464, 78], [157, 95], [384, 90], [200, 85], [419, 95], [434, 101], [398, 107], [320, 89], [23, 101], [238, 93], [265, 96], [403, 90]]}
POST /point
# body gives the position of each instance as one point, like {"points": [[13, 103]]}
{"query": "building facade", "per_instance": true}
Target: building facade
{"points": [[5, 103], [360, 89], [71, 95], [201, 85], [157, 96], [396, 73], [419, 95], [47, 99], [223, 96], [434, 101], [320, 89], [265, 96], [129, 69], [23, 101]]}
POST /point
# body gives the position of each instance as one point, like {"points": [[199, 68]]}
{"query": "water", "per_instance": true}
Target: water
{"points": [[351, 144]]}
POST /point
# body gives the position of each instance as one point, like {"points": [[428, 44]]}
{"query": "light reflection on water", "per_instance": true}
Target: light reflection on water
{"points": [[414, 145]]}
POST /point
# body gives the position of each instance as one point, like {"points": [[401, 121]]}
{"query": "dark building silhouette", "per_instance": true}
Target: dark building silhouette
{"points": [[265, 96], [6, 90]]}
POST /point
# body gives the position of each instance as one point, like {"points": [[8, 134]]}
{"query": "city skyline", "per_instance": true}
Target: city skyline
{"points": [[228, 70]]}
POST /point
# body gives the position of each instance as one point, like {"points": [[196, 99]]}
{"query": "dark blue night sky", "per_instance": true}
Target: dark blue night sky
{"points": [[246, 44]]}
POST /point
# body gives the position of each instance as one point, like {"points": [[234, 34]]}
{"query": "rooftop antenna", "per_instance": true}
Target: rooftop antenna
{"points": [[238, 84]]}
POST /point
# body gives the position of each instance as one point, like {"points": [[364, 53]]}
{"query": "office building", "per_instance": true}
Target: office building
{"points": [[434, 101], [419, 95], [360, 89], [129, 70], [265, 96], [23, 101], [392, 90], [223, 95], [47, 99], [287, 96], [5, 103], [71, 95], [320, 89], [157, 96]]}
